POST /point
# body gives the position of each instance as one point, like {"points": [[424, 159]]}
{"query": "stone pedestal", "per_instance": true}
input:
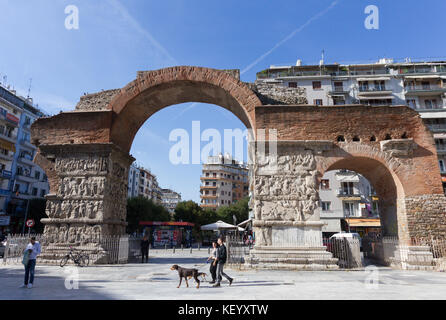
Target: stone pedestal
{"points": [[88, 198], [413, 258], [287, 226], [287, 245]]}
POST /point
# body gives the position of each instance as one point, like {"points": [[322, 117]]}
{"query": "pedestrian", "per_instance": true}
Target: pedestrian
{"points": [[220, 262], [32, 250], [144, 249], [212, 258]]}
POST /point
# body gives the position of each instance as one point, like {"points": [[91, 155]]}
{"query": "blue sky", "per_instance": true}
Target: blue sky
{"points": [[116, 38]]}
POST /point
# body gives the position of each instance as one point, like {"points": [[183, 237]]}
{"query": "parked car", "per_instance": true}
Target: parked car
{"points": [[352, 235]]}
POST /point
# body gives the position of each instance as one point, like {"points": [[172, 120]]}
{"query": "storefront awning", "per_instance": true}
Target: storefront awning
{"points": [[443, 179], [369, 223], [423, 77], [373, 79], [7, 145]]}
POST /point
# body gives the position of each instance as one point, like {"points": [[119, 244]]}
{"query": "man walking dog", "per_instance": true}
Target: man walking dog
{"points": [[220, 262]]}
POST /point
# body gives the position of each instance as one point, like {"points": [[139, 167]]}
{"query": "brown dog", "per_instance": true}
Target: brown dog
{"points": [[187, 273]]}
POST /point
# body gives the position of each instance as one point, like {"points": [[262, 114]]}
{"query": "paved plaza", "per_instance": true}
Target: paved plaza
{"points": [[155, 280]]}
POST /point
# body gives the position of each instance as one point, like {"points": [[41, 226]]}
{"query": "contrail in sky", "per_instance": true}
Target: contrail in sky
{"points": [[292, 34]]}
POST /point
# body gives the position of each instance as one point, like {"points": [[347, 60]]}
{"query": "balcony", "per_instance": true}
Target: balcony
{"points": [[437, 127], [27, 144], [338, 91], [424, 90], [208, 187], [7, 157], [441, 149], [349, 195], [26, 161], [12, 138], [376, 91], [25, 178], [5, 174]]}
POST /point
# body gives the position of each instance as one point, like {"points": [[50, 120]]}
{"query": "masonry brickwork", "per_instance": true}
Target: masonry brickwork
{"points": [[389, 145]]}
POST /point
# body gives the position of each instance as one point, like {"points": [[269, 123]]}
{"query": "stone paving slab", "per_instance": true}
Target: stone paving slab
{"points": [[155, 280]]}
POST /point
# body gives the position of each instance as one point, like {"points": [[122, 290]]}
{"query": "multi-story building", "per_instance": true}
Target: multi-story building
{"points": [[420, 85], [20, 178], [170, 199], [224, 181], [142, 182], [344, 195]]}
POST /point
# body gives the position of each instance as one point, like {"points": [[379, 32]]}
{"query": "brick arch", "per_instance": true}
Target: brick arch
{"points": [[155, 90], [387, 175]]}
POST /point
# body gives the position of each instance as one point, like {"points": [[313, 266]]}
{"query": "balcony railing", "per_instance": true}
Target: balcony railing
{"points": [[374, 89], [436, 127], [349, 194], [431, 87]]}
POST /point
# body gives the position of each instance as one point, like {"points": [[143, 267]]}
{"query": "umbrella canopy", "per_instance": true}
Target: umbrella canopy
{"points": [[219, 225]]}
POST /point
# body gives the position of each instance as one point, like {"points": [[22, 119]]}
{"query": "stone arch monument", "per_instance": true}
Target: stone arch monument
{"points": [[85, 154]]}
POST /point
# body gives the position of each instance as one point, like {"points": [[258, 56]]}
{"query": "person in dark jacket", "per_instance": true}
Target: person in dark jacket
{"points": [[144, 249], [220, 262]]}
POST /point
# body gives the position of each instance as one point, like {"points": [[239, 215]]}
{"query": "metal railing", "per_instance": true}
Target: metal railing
{"points": [[424, 87], [101, 250]]}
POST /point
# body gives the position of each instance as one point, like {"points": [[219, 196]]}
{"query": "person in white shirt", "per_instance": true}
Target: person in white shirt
{"points": [[34, 250]]}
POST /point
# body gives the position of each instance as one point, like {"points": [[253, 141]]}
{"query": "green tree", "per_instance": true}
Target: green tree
{"points": [[240, 210], [142, 209]]}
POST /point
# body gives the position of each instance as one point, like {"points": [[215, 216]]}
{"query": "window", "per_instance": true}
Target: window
{"points": [[380, 86], [426, 85], [441, 163], [430, 104], [34, 192], [347, 188], [37, 175], [338, 101], [42, 193], [326, 205], [411, 103], [317, 102], [349, 209], [338, 86], [292, 84], [317, 85], [363, 86], [325, 184]]}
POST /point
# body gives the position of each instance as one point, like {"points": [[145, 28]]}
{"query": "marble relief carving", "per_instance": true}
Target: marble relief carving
{"points": [[291, 192]]}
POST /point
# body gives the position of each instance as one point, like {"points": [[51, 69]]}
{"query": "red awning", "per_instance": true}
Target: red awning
{"points": [[158, 223]]}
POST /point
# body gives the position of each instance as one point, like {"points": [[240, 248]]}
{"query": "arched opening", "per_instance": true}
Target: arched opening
{"points": [[384, 186], [159, 89]]}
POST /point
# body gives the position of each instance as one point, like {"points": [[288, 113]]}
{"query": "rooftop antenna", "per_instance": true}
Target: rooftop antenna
{"points": [[29, 88]]}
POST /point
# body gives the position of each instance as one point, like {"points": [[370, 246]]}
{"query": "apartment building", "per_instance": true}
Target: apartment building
{"points": [[224, 181], [420, 85], [20, 178], [345, 195], [142, 182], [170, 199]]}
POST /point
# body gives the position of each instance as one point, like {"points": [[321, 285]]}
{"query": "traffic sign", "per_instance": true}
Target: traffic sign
{"points": [[30, 223]]}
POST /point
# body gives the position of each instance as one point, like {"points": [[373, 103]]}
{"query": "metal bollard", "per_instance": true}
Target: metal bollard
{"points": [[191, 249], [209, 250], [165, 247], [198, 246], [173, 249], [182, 247]]}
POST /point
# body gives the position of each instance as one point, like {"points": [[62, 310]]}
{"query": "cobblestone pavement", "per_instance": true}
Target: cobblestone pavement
{"points": [[156, 281]]}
